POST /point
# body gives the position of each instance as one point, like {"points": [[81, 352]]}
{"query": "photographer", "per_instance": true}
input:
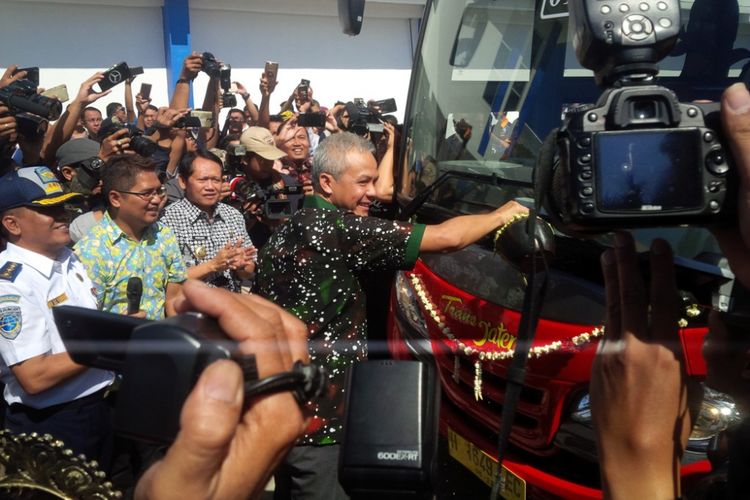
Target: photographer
{"points": [[258, 165], [79, 165], [642, 426], [294, 141]]}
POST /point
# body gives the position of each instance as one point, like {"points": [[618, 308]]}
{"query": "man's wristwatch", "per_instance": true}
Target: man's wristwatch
{"points": [[96, 163]]}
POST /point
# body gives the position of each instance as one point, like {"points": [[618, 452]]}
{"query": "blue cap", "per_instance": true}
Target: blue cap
{"points": [[32, 186]]}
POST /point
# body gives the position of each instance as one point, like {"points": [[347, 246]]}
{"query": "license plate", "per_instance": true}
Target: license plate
{"points": [[485, 467]]}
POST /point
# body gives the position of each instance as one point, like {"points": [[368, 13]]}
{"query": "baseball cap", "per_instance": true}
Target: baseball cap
{"points": [[32, 186], [76, 150], [260, 141]]}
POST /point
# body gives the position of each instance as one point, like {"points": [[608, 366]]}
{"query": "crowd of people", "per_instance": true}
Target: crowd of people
{"points": [[271, 213], [266, 224]]}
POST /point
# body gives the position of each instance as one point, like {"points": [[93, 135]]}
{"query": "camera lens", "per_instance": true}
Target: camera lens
{"points": [[644, 110]]}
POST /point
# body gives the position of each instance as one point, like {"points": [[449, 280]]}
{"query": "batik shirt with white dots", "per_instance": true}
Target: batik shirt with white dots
{"points": [[310, 266]]}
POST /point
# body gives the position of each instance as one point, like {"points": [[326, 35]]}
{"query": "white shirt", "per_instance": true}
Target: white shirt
{"points": [[27, 328]]}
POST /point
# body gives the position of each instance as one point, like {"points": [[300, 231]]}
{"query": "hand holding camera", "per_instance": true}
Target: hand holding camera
{"points": [[116, 143], [213, 419], [7, 125], [11, 75], [191, 66]]}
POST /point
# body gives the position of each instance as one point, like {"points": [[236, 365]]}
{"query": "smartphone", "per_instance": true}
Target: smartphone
{"points": [[385, 105], [145, 91], [61, 92], [302, 88], [114, 76], [311, 119], [32, 74], [272, 69], [206, 118], [136, 70]]}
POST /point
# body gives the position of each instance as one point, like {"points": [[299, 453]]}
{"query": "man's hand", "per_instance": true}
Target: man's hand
{"points": [[222, 451], [331, 124], [115, 144], [242, 91], [8, 132], [735, 242], [141, 104], [265, 89], [167, 117], [8, 77], [639, 398], [86, 94], [226, 257], [191, 66]]}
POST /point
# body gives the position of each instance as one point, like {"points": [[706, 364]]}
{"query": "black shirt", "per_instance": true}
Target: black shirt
{"points": [[311, 267]]}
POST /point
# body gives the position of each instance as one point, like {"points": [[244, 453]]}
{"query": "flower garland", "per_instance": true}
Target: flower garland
{"points": [[481, 356]]}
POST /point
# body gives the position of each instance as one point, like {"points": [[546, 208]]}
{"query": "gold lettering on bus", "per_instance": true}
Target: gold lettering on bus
{"points": [[455, 309], [496, 334]]}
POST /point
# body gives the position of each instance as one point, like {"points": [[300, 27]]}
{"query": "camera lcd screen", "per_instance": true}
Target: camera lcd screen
{"points": [[649, 171]]}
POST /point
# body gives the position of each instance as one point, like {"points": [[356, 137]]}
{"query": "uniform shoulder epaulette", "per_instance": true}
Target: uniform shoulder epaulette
{"points": [[10, 271]]}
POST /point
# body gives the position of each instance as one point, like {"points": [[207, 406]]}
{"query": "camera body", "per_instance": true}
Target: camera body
{"points": [[22, 101], [362, 120], [637, 157], [138, 142], [223, 72], [269, 199]]}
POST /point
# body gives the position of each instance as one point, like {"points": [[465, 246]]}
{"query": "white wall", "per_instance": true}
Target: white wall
{"points": [[71, 39]]}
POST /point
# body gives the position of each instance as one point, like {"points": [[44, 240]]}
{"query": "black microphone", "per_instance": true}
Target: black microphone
{"points": [[134, 292]]}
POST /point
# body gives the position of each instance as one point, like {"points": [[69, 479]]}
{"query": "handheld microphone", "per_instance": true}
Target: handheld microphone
{"points": [[134, 292]]}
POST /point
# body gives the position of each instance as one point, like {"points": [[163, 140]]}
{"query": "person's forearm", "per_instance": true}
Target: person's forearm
{"points": [[201, 270], [384, 184], [264, 115], [459, 232], [181, 96], [252, 109], [212, 93], [640, 477], [43, 372], [129, 107]]}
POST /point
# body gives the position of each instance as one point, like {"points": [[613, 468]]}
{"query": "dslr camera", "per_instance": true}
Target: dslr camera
{"points": [[233, 160], [223, 72], [637, 157], [29, 108], [138, 142]]}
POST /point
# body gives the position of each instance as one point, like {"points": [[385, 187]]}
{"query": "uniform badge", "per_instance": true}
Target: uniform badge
{"points": [[57, 300], [10, 271], [10, 321]]}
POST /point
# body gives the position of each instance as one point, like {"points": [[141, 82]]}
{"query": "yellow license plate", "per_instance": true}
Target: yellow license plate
{"points": [[485, 467]]}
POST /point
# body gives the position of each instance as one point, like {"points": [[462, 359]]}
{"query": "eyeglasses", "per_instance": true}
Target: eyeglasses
{"points": [[159, 192]]}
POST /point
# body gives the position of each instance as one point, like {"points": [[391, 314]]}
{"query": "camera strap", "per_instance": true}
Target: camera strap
{"points": [[536, 287]]}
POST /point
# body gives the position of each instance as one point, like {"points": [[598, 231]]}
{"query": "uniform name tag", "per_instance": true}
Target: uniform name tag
{"points": [[57, 300]]}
